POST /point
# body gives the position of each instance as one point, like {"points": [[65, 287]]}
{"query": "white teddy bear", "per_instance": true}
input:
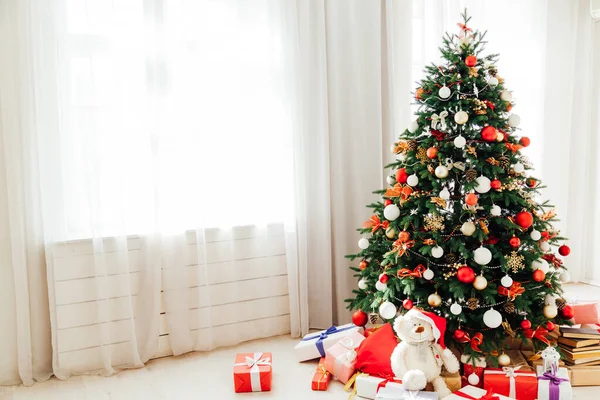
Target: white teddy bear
{"points": [[419, 357]]}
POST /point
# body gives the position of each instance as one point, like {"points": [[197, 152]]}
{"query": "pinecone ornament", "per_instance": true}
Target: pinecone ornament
{"points": [[471, 175], [411, 145], [503, 162], [509, 307], [561, 303], [472, 303], [493, 71], [451, 258]]}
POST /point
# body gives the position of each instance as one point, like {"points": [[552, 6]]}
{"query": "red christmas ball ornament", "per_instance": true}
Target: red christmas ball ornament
{"points": [[567, 312], [526, 324], [401, 176], [525, 141], [509, 107], [531, 182], [465, 274], [550, 326], [471, 199], [383, 278], [538, 275], [363, 264], [489, 133], [529, 333], [404, 236], [524, 219], [360, 318], [495, 184], [432, 152], [514, 241], [387, 202], [564, 250], [470, 61], [459, 334], [407, 304]]}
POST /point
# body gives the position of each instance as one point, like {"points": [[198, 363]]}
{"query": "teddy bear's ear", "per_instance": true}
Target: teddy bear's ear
{"points": [[398, 324]]}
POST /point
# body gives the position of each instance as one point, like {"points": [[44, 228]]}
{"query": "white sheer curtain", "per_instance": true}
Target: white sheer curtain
{"points": [[132, 127]]}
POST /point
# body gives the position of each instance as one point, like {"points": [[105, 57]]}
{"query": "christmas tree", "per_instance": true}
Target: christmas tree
{"points": [[459, 231]]}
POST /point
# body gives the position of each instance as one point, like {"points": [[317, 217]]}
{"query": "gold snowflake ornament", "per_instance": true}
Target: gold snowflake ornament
{"points": [[434, 223], [439, 202], [422, 155], [515, 262]]}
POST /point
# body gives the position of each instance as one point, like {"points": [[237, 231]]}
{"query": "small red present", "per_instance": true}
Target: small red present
{"points": [[321, 378], [252, 372], [511, 382]]}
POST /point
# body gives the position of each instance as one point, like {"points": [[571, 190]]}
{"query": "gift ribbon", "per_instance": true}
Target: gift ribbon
{"points": [[458, 164], [439, 118], [375, 223], [488, 396], [512, 292], [385, 381], [348, 356], [323, 335], [511, 374], [417, 272], [540, 334], [253, 364], [324, 374], [553, 383]]}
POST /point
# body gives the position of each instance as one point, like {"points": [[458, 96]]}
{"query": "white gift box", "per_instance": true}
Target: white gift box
{"points": [[565, 392], [395, 393], [314, 345], [473, 392], [366, 385]]}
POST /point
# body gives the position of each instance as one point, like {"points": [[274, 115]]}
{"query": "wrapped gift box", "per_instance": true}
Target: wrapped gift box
{"points": [[474, 393], [584, 375], [453, 381], [554, 386], [395, 393], [512, 382], [367, 385], [321, 378], [340, 358], [252, 372], [314, 345]]}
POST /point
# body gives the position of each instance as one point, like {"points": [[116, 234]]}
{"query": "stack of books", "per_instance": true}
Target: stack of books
{"points": [[580, 346]]}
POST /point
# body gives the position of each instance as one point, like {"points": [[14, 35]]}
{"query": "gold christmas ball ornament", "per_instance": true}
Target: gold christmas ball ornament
{"points": [[503, 360], [461, 117], [468, 228], [550, 311], [480, 282], [434, 300], [390, 232], [441, 171]]}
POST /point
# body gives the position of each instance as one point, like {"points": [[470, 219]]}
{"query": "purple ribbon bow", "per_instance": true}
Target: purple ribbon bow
{"points": [[323, 335], [553, 383]]}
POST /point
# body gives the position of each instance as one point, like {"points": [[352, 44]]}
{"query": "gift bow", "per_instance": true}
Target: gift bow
{"points": [[540, 334], [551, 258], [323, 335], [385, 381], [351, 353], [489, 395], [463, 27], [439, 118], [475, 342], [417, 272], [324, 374], [458, 164], [375, 223], [401, 247], [253, 364], [554, 382], [402, 191], [512, 292]]}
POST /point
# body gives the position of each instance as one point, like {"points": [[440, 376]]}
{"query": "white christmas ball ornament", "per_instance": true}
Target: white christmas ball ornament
{"points": [[550, 311], [503, 360], [455, 308], [544, 246], [540, 263], [483, 184], [444, 92], [506, 281], [499, 136], [428, 274], [482, 256], [387, 310], [460, 141], [480, 282], [514, 120], [380, 286], [492, 318], [390, 180], [363, 243], [412, 128], [549, 300], [564, 277], [473, 379], [391, 212], [362, 284], [506, 95], [412, 180], [535, 235], [518, 168], [495, 211], [461, 117], [437, 252], [493, 81], [441, 171], [468, 228], [444, 194]]}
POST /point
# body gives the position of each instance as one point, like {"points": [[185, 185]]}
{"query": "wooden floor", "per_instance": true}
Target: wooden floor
{"points": [[201, 376]]}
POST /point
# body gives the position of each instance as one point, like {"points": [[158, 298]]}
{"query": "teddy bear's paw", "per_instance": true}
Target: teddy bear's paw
{"points": [[414, 380]]}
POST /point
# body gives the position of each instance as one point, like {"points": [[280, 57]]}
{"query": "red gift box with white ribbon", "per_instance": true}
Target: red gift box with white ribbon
{"points": [[511, 382], [252, 372]]}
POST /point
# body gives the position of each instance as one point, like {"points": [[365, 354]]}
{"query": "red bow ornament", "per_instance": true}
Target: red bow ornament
{"points": [[375, 223], [475, 342], [512, 292], [417, 272]]}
